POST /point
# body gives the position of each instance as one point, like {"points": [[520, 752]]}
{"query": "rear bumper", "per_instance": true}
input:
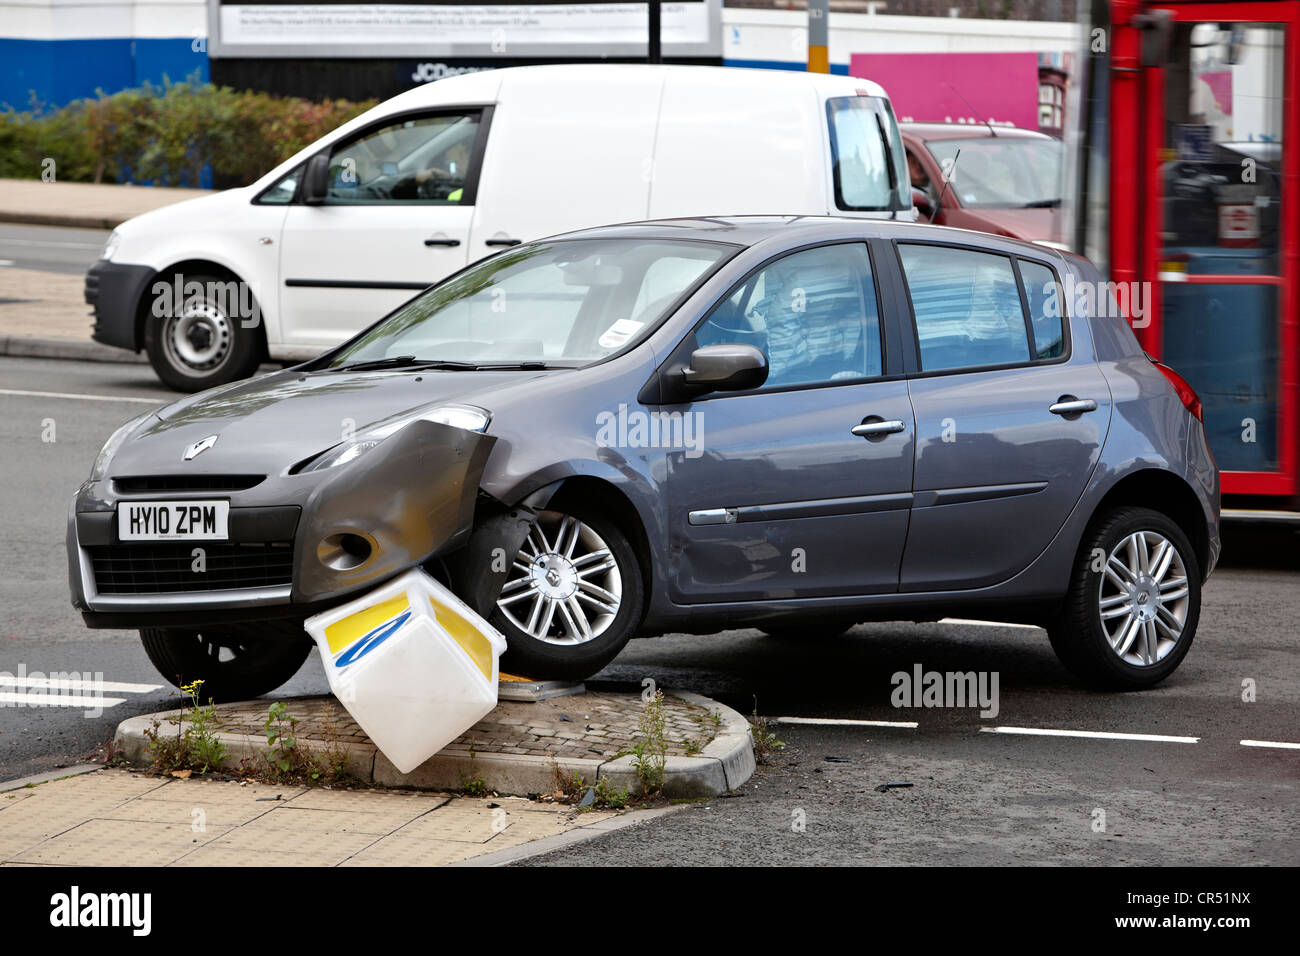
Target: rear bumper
{"points": [[114, 290]]}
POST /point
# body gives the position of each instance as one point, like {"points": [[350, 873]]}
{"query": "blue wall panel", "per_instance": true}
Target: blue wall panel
{"points": [[59, 71]]}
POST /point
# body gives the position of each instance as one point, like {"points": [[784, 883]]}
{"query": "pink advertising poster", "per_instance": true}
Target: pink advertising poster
{"points": [[951, 87]]}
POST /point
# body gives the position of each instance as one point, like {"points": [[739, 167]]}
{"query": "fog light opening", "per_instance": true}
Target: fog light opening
{"points": [[344, 551]]}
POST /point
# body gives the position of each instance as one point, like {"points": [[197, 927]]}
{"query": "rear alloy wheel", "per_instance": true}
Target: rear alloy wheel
{"points": [[1134, 602], [572, 599], [201, 342], [234, 664]]}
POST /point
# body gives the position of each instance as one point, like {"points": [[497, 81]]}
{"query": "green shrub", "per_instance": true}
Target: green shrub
{"points": [[165, 135]]}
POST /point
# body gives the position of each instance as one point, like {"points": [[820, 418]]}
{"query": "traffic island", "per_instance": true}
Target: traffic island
{"points": [[522, 748]]}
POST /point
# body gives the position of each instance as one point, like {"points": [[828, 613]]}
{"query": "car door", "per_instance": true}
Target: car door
{"points": [[395, 220], [1009, 418], [799, 488]]}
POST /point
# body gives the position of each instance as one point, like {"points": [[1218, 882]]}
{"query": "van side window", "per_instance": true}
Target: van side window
{"points": [[812, 313], [1046, 309], [425, 159], [967, 307]]}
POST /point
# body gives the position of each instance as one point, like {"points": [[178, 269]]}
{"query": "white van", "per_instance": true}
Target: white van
{"points": [[447, 173]]}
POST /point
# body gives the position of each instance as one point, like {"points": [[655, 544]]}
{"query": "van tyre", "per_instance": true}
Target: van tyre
{"points": [[573, 596], [203, 340], [1133, 604], [233, 664]]}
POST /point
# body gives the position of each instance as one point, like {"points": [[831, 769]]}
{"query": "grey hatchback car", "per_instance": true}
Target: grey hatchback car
{"points": [[793, 424]]}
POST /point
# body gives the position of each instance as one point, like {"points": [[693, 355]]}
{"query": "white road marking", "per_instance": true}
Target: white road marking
{"points": [[1093, 734], [965, 621], [1279, 744], [117, 687], [838, 722], [59, 700], [82, 397], [6, 262]]}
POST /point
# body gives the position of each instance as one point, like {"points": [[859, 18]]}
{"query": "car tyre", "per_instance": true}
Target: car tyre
{"points": [[198, 343], [582, 553], [1133, 604], [233, 664]]}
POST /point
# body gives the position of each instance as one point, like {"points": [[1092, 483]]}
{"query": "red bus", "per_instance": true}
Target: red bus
{"points": [[1190, 199]]}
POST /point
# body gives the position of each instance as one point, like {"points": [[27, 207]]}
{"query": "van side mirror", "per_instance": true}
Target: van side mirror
{"points": [[725, 368], [316, 180], [921, 200]]}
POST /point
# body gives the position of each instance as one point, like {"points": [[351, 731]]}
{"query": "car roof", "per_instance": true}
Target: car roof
{"points": [[937, 131], [782, 231], [484, 86]]}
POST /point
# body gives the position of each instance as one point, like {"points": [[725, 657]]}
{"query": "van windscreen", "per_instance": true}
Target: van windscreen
{"points": [[868, 164]]}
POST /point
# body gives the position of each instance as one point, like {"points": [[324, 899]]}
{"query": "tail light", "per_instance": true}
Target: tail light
{"points": [[1186, 394]]}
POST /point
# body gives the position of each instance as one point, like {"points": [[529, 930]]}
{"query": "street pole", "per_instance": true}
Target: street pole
{"points": [[819, 59], [655, 55]]}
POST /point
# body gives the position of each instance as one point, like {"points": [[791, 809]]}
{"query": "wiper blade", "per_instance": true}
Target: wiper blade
{"points": [[402, 361], [1042, 204]]}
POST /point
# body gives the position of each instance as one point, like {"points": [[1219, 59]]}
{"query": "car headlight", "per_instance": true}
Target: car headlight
{"points": [[469, 417], [110, 247], [115, 441]]}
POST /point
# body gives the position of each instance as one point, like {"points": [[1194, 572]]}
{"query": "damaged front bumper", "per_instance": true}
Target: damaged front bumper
{"points": [[297, 543]]}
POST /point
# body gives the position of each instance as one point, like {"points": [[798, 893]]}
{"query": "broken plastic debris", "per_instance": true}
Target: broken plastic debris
{"points": [[413, 665]]}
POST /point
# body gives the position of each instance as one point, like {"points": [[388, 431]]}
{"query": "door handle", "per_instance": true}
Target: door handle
{"points": [[502, 242], [1069, 405], [442, 242], [877, 429]]}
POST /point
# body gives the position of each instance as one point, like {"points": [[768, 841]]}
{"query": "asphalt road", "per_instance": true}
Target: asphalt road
{"points": [[50, 248], [976, 796]]}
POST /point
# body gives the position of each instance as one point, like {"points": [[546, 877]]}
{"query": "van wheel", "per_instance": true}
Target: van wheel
{"points": [[572, 599], [1133, 604], [206, 338], [233, 664]]}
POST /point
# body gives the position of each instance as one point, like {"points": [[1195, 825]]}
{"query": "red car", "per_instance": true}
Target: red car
{"points": [[999, 179]]}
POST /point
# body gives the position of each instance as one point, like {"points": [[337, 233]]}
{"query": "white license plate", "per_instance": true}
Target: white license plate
{"points": [[173, 520]]}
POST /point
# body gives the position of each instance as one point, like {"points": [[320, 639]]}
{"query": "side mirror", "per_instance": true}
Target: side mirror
{"points": [[725, 368], [921, 200], [316, 180]]}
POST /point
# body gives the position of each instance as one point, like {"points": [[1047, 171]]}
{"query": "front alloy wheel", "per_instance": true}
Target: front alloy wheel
{"points": [[1134, 601], [572, 598]]}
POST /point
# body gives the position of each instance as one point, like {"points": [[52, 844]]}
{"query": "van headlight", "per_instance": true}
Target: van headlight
{"points": [[110, 247], [469, 417]]}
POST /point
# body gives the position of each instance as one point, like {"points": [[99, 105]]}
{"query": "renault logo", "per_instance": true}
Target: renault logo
{"points": [[199, 447]]}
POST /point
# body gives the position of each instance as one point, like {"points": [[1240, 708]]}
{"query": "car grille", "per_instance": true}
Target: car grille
{"points": [[166, 567], [144, 483]]}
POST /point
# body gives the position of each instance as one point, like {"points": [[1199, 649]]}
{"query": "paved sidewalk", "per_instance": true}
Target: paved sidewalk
{"points": [[519, 748], [86, 205], [125, 818]]}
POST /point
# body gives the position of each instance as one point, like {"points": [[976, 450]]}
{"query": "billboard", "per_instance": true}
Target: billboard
{"points": [[956, 87], [437, 29]]}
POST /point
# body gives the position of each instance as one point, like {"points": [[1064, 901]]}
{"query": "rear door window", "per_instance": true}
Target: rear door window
{"points": [[966, 305]]}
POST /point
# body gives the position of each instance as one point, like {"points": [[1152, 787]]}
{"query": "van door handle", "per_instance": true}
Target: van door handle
{"points": [[442, 242], [878, 428], [502, 242], [1068, 405]]}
